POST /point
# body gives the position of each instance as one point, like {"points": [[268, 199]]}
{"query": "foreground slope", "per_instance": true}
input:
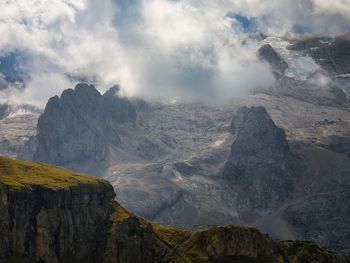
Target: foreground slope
{"points": [[49, 214]]}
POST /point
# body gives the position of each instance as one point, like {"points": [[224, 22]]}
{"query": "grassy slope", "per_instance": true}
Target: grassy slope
{"points": [[19, 174], [192, 246]]}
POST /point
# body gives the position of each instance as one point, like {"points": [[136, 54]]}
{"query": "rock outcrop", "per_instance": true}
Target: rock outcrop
{"points": [[55, 215], [277, 64], [289, 194], [258, 165], [85, 125]]}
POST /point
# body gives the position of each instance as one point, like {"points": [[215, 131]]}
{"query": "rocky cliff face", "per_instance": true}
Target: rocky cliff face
{"points": [[54, 215], [258, 166], [85, 125], [51, 214]]}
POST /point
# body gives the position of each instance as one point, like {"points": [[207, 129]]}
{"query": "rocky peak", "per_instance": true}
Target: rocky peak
{"points": [[258, 165], [112, 92], [81, 125], [257, 133], [120, 109]]}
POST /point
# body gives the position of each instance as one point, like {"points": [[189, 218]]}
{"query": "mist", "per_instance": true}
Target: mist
{"points": [[153, 48]]}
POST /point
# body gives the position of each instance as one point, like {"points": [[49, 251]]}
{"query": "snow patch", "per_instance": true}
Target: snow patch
{"points": [[300, 66], [344, 76], [19, 113], [327, 42], [218, 143]]}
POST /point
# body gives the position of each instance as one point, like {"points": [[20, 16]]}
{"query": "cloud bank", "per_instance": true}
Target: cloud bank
{"points": [[153, 48]]}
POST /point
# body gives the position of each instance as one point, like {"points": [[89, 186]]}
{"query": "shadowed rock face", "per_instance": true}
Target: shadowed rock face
{"points": [[258, 164], [3, 110], [297, 195], [277, 64], [81, 125], [51, 215]]}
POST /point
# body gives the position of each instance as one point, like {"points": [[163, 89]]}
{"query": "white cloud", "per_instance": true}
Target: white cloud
{"points": [[154, 47], [335, 7], [38, 90], [277, 17]]}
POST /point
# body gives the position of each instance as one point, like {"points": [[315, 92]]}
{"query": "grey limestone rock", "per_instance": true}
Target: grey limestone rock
{"points": [[81, 125], [258, 165]]}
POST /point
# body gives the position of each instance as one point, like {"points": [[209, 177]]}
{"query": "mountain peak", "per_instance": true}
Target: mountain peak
{"points": [[85, 125], [258, 165], [112, 92]]}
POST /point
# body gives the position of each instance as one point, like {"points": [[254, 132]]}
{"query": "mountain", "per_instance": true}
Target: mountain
{"points": [[288, 191], [331, 53], [191, 165], [313, 69], [85, 124], [17, 124], [54, 215], [258, 167], [282, 168], [242, 169]]}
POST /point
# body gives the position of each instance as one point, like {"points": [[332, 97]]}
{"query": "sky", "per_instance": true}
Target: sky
{"points": [[195, 49]]}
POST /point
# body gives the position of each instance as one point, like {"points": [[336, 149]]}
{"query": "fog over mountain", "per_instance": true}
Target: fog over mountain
{"points": [[188, 48]]}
